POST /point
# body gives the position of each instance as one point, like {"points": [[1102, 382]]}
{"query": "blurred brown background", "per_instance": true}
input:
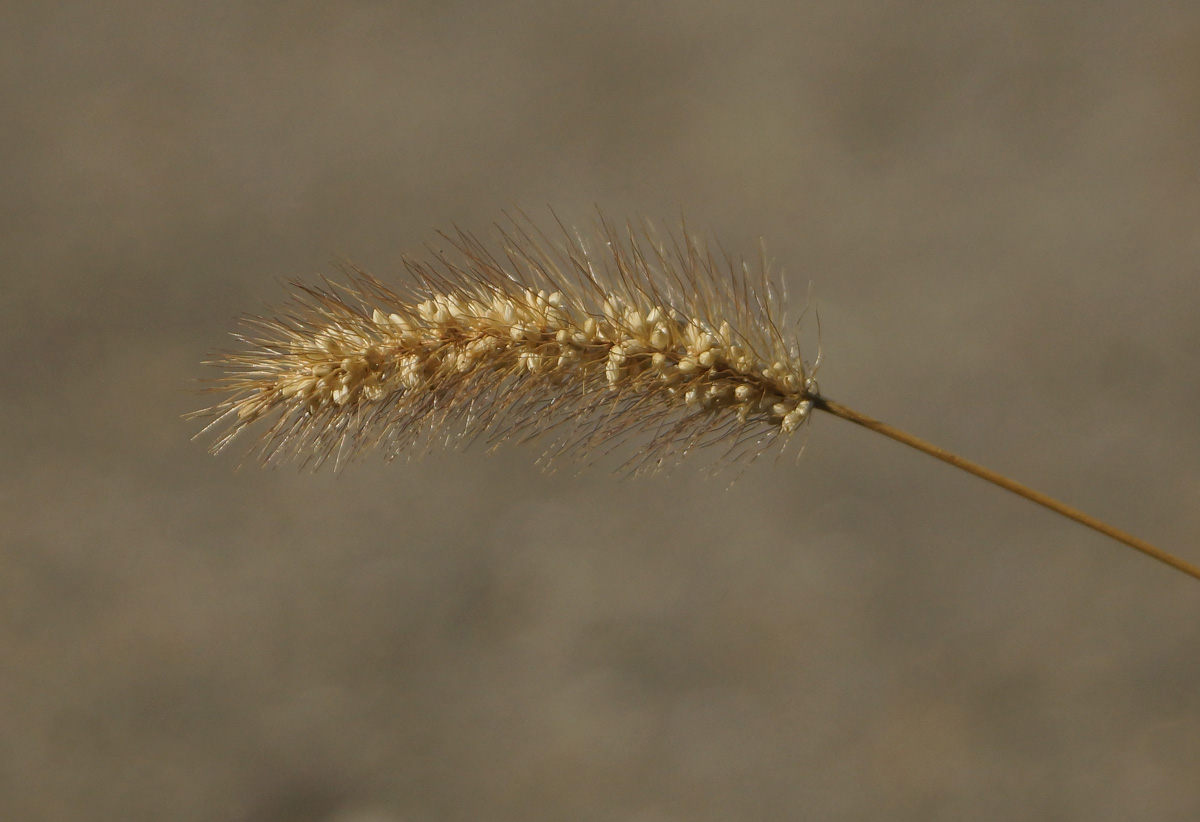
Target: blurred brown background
{"points": [[995, 206]]}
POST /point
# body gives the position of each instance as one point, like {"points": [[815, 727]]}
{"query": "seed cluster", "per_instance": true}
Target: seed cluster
{"points": [[590, 347]]}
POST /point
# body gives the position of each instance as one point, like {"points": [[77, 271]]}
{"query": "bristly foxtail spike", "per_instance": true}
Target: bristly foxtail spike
{"points": [[616, 332]]}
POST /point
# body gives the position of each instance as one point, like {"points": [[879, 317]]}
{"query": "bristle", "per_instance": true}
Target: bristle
{"points": [[589, 341]]}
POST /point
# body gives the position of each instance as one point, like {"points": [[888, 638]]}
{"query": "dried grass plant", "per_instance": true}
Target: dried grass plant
{"points": [[588, 341]]}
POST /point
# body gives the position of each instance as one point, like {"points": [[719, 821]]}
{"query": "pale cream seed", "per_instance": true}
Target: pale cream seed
{"points": [[795, 418], [660, 337]]}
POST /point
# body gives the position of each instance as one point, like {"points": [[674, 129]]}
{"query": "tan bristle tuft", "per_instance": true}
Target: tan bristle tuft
{"points": [[588, 340]]}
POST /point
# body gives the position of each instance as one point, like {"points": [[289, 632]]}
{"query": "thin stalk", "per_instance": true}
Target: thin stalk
{"points": [[850, 415]]}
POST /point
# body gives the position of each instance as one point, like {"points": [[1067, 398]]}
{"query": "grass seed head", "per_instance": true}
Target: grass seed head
{"points": [[586, 340]]}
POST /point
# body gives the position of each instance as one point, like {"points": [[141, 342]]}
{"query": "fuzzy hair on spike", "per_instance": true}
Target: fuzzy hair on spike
{"points": [[588, 341]]}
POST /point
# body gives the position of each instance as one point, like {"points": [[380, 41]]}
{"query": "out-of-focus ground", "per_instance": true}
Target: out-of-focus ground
{"points": [[995, 207]]}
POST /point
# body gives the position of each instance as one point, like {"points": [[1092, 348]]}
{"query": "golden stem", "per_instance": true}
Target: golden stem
{"points": [[850, 415]]}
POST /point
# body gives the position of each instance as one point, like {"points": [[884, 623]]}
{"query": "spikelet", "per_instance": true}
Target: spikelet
{"points": [[587, 341]]}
